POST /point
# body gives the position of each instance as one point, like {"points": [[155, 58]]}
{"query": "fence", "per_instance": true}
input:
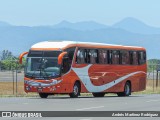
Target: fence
{"points": [[11, 78], [153, 76], [12, 83]]}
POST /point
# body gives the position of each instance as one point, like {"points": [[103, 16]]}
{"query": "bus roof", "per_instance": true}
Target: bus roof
{"points": [[60, 45]]}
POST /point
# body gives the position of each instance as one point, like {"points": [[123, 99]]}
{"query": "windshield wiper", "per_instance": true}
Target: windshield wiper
{"points": [[42, 69]]}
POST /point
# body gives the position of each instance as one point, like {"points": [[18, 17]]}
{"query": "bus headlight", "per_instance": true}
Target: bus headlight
{"points": [[28, 88]]}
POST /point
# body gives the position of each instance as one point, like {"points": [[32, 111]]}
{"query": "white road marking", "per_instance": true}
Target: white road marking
{"points": [[90, 108], [152, 100]]}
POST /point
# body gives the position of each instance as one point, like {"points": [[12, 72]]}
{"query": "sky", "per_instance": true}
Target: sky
{"points": [[50, 12]]}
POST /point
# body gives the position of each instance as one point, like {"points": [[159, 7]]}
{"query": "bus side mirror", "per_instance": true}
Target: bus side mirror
{"points": [[21, 56], [60, 57]]}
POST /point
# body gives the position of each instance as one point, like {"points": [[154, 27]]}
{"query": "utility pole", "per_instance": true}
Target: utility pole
{"points": [[16, 76], [153, 77], [12, 70], [157, 79]]}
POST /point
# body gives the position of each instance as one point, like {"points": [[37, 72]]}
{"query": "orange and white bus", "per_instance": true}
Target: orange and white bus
{"points": [[68, 67]]}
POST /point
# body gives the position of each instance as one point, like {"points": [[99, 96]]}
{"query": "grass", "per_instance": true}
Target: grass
{"points": [[6, 90], [150, 88]]}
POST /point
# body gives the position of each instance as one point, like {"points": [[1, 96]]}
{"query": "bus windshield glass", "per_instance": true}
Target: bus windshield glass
{"points": [[42, 64]]}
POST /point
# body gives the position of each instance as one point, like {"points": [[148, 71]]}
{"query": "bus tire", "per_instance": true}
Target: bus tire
{"points": [[127, 90], [98, 94], [76, 91], [43, 95]]}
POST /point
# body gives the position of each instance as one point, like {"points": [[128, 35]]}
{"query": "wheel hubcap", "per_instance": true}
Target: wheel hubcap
{"points": [[127, 89], [75, 90]]}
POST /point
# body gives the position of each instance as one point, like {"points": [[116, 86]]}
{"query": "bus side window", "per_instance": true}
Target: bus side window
{"points": [[67, 61], [124, 57], [141, 57], [144, 56], [103, 56], [70, 54], [87, 55], [80, 56], [93, 56], [115, 57], [109, 56], [133, 57]]}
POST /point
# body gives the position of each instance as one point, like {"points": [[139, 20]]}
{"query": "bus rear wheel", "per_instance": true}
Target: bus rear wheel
{"points": [[76, 91], [127, 90], [43, 95], [98, 94]]}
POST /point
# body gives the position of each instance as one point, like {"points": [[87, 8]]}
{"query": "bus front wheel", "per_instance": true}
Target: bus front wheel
{"points": [[127, 90], [43, 95], [76, 91]]}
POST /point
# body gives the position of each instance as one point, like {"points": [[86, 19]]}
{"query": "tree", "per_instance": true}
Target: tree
{"points": [[9, 62], [6, 54], [153, 64]]}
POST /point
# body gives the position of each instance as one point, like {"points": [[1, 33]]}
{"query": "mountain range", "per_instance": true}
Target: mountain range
{"points": [[128, 31]]}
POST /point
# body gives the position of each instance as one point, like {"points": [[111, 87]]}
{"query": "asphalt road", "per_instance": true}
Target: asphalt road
{"points": [[64, 103]]}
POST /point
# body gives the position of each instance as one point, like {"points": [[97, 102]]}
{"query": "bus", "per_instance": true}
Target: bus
{"points": [[70, 67]]}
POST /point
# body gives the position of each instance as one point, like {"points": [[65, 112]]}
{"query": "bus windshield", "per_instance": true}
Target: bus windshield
{"points": [[42, 64]]}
